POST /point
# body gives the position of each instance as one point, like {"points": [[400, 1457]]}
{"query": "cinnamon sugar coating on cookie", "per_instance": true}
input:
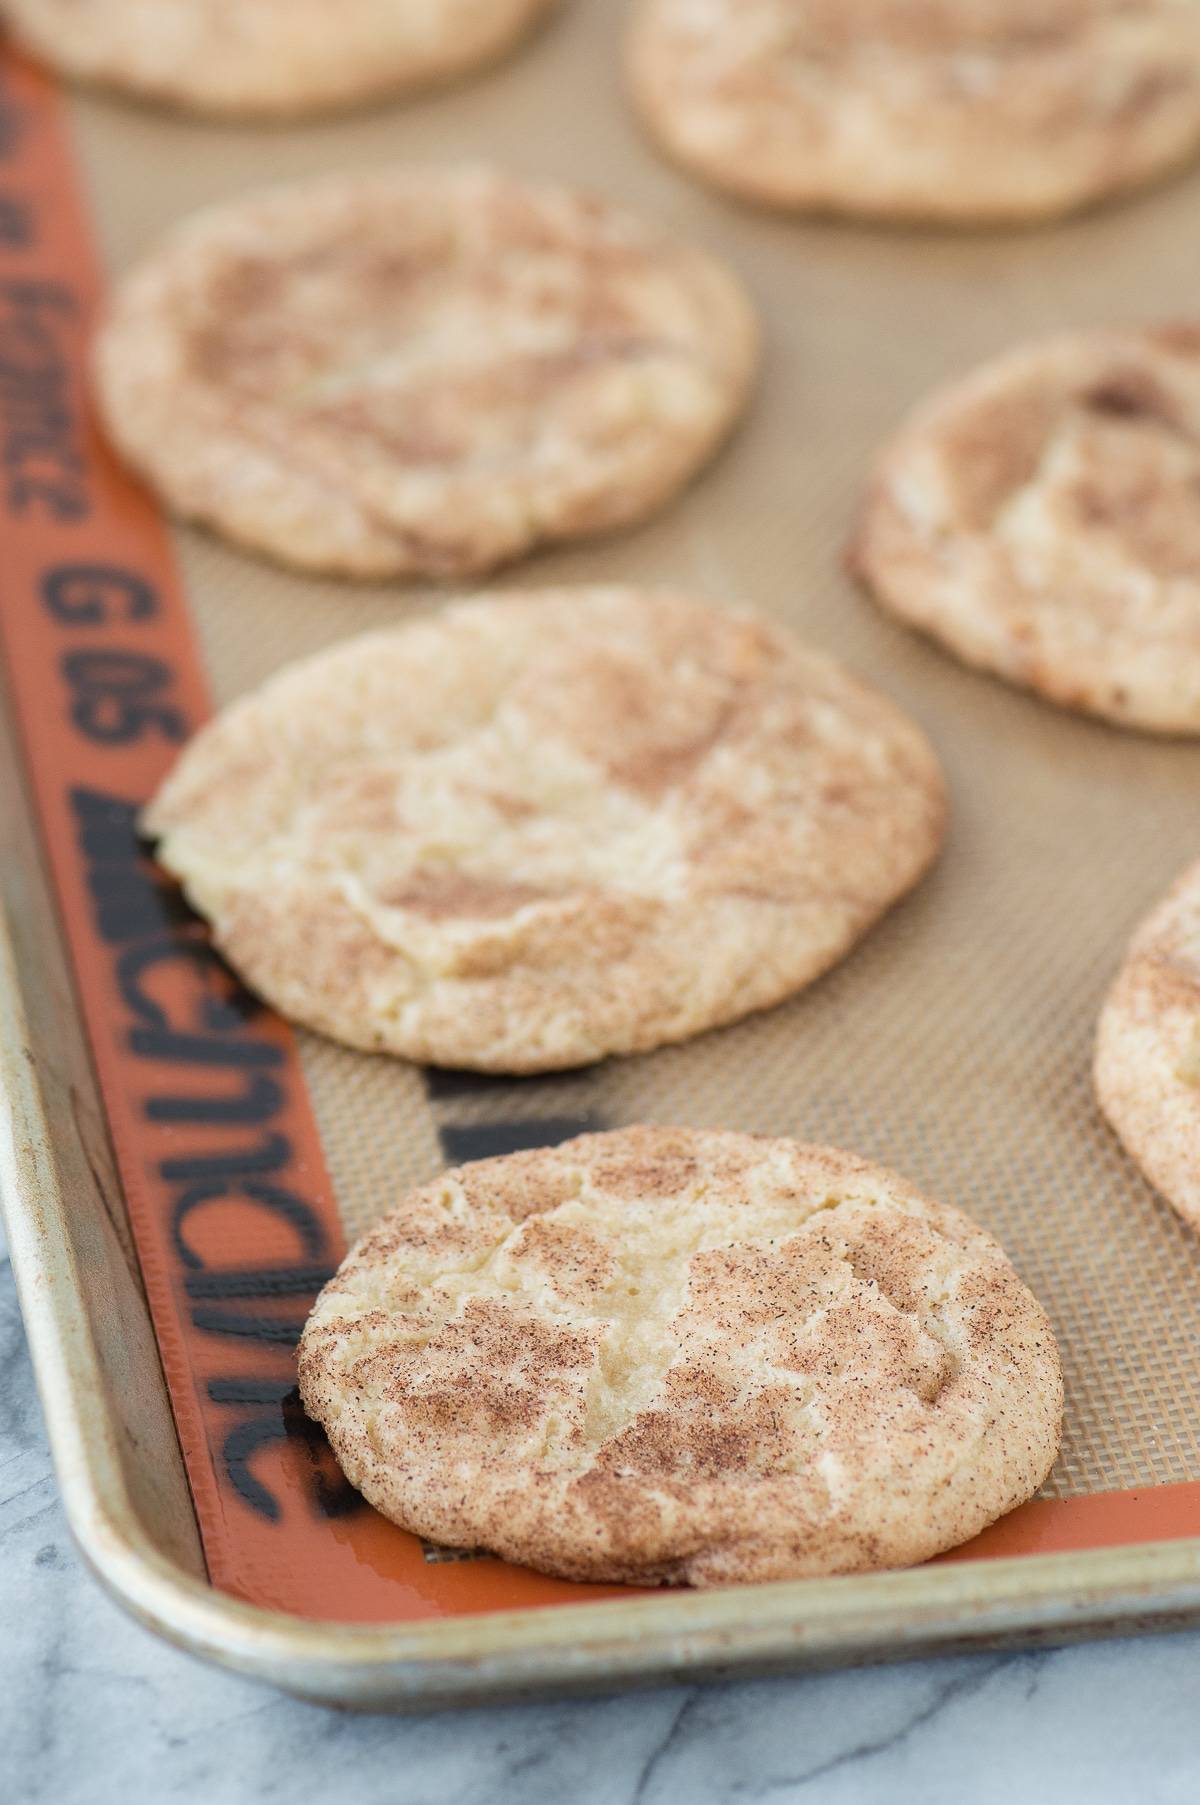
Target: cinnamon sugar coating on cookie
{"points": [[270, 58], [959, 111], [425, 372], [1148, 1048], [1041, 518], [544, 827], [668, 1356]]}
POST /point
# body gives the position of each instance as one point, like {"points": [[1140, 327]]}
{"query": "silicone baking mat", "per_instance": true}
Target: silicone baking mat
{"points": [[954, 1045]]}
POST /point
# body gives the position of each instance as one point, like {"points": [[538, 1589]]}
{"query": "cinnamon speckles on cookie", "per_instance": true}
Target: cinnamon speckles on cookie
{"points": [[422, 372], [959, 111], [669, 1356], [1041, 517], [1148, 1048], [544, 827], [270, 58]]}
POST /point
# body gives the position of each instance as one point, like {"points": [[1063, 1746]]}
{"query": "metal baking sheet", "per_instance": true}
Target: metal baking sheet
{"points": [[954, 1045]]}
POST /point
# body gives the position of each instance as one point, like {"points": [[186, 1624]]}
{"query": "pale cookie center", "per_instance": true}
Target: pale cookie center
{"points": [[458, 359], [780, 1323], [545, 801], [943, 28], [847, 65], [484, 829]]}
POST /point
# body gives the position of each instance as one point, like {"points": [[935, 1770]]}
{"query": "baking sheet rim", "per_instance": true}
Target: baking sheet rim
{"points": [[473, 1659]]}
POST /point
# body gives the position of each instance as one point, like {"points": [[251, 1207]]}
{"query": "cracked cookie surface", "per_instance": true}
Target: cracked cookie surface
{"points": [[672, 1356], [1041, 518], [423, 372], [543, 827]]}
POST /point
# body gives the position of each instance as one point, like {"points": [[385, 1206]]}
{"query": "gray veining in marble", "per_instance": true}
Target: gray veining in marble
{"points": [[94, 1710]]}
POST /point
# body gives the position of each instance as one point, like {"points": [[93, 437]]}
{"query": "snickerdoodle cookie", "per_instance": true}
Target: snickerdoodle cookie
{"points": [[668, 1356], [422, 372], [1041, 518], [539, 828], [1148, 1048], [959, 111], [264, 58]]}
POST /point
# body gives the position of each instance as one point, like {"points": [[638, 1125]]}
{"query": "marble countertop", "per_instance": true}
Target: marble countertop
{"points": [[93, 1709]]}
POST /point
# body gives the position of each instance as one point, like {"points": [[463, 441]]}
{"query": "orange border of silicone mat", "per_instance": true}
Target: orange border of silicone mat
{"points": [[212, 1127]]}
